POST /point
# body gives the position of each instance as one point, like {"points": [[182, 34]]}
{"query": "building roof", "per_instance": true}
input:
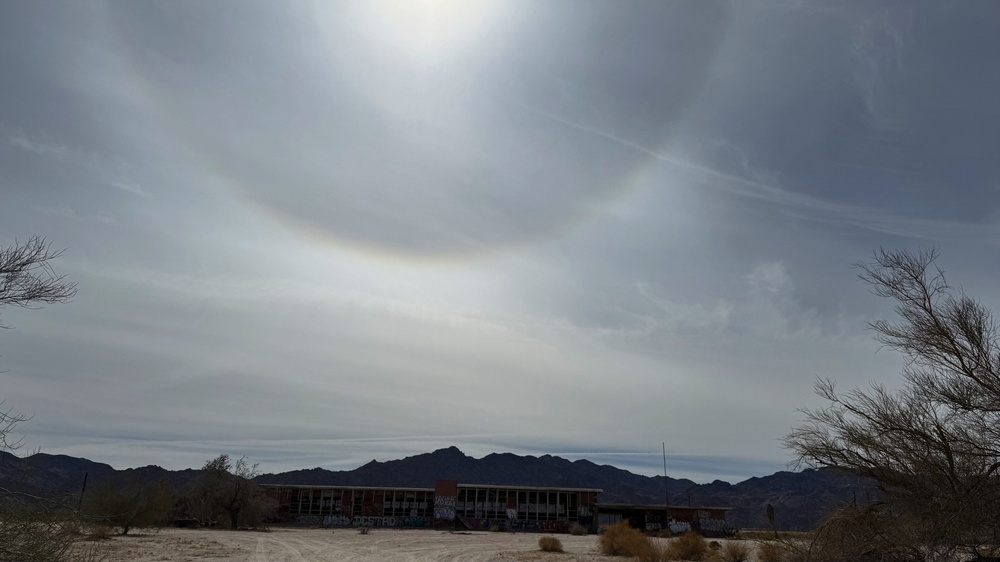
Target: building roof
{"points": [[335, 487], [417, 489], [537, 488], [657, 506]]}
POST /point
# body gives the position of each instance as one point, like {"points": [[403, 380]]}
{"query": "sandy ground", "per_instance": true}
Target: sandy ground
{"points": [[300, 545]]}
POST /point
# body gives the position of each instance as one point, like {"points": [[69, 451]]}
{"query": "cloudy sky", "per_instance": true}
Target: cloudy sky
{"points": [[320, 233]]}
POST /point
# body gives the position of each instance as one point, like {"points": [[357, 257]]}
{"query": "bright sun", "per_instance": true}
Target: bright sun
{"points": [[427, 30]]}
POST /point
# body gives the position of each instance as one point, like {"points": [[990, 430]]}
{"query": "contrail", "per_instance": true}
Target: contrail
{"points": [[795, 204]]}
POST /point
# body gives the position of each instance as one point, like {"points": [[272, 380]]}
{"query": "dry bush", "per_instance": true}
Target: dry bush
{"points": [[769, 551], [550, 544], [689, 546], [621, 539], [664, 534], [101, 532], [38, 530], [126, 502], [868, 534], [735, 551], [578, 530], [654, 552], [495, 529], [364, 530]]}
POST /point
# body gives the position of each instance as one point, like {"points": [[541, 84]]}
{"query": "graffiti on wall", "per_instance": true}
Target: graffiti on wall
{"points": [[677, 527], [706, 523], [363, 521], [444, 507]]}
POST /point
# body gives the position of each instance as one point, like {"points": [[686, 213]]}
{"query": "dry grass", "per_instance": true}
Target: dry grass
{"points": [[578, 530], [622, 540], [768, 551], [550, 544], [767, 535], [735, 551], [689, 546], [100, 532]]}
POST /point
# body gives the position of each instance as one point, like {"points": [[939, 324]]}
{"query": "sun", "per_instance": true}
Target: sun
{"points": [[427, 31]]}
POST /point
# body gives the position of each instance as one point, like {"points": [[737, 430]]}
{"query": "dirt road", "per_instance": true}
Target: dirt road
{"points": [[326, 545]]}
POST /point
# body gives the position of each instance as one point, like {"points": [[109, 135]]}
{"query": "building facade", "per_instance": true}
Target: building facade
{"points": [[479, 507], [707, 521], [473, 506]]}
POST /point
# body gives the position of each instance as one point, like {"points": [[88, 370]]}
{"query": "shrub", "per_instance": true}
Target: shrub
{"points": [[364, 530], [128, 503], [735, 551], [768, 551], [38, 530], [714, 545], [495, 529], [621, 539], [578, 530], [664, 534], [101, 532], [689, 546], [550, 544], [867, 533]]}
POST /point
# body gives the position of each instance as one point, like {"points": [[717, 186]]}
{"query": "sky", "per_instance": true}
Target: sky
{"points": [[321, 233]]}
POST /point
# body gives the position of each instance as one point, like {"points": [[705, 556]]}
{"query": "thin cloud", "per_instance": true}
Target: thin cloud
{"points": [[70, 213], [799, 205], [131, 188], [55, 150]]}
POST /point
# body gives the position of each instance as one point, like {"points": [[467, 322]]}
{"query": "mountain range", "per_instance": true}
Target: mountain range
{"points": [[800, 499]]}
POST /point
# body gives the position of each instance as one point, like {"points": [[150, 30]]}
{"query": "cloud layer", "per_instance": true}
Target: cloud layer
{"points": [[318, 234]]}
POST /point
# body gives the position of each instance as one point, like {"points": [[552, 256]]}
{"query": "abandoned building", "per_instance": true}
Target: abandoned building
{"points": [[708, 521], [475, 506]]}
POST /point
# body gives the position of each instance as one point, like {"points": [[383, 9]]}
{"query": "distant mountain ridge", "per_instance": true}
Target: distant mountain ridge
{"points": [[800, 499]]}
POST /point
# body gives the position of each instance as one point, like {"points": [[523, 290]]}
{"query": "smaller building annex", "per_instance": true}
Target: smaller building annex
{"points": [[707, 521]]}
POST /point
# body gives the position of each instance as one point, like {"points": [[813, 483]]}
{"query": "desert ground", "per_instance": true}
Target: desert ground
{"points": [[320, 545]]}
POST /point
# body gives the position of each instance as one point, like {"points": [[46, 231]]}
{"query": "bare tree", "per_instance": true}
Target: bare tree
{"points": [[27, 277], [229, 489], [31, 528], [128, 502], [932, 446]]}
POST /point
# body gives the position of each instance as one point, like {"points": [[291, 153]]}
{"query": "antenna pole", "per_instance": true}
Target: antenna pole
{"points": [[666, 489]]}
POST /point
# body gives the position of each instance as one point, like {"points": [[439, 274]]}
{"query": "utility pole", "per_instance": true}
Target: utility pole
{"points": [[666, 489]]}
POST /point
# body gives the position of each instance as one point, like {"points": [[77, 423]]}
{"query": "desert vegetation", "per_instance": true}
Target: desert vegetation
{"points": [[227, 490], [127, 502], [550, 544], [32, 527], [38, 527], [621, 539], [689, 546], [931, 446], [735, 551]]}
